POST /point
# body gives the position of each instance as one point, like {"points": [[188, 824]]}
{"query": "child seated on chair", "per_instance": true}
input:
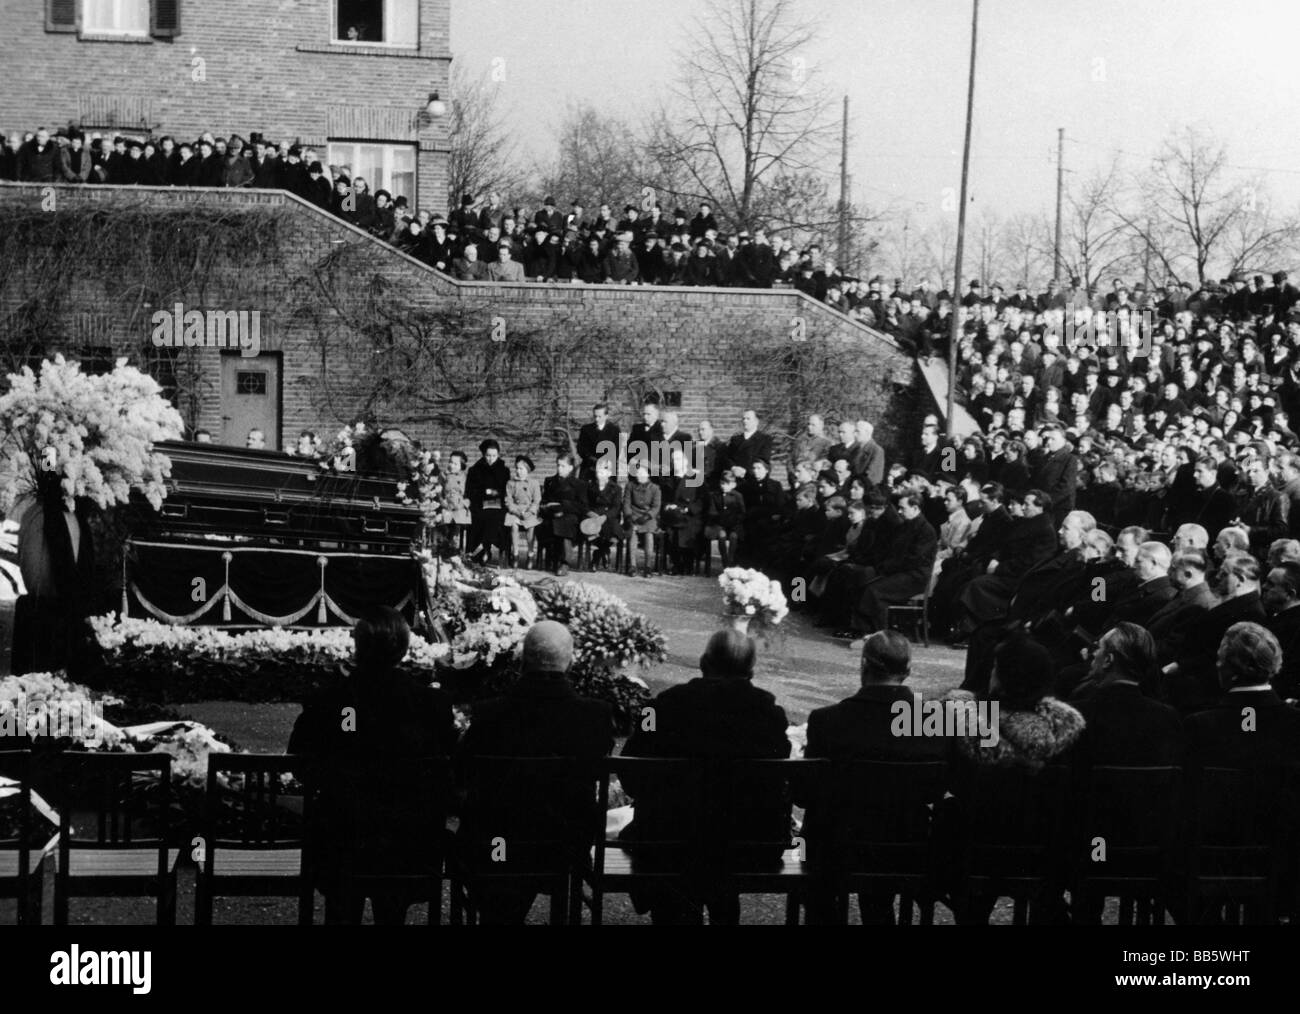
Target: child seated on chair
{"points": [[523, 501], [725, 515], [642, 502], [606, 503]]}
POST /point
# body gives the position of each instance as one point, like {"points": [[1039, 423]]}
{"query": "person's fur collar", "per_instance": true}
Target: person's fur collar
{"points": [[1025, 738]]}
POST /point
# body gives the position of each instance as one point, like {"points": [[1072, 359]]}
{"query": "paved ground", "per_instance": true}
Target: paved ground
{"points": [[804, 669]]}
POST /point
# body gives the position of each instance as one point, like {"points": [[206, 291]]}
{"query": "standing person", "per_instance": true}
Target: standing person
{"points": [[645, 442], [523, 505], [597, 439], [38, 159], [358, 828], [236, 171], [747, 446], [870, 459], [1058, 475], [456, 517], [485, 489], [565, 503], [813, 444]]}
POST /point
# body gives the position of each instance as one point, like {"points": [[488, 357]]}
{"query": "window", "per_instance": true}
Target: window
{"points": [[115, 17], [250, 382], [97, 360], [377, 22], [388, 167], [672, 399]]}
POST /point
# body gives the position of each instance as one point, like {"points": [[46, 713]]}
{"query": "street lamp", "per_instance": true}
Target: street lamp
{"points": [[435, 107]]}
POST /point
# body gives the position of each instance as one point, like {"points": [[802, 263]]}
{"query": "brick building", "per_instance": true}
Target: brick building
{"points": [[352, 78]]}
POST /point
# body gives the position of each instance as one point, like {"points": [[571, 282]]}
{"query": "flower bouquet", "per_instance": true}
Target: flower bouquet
{"points": [[751, 601]]}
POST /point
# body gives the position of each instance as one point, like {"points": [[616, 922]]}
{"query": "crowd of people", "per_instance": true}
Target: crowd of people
{"points": [[481, 240]]}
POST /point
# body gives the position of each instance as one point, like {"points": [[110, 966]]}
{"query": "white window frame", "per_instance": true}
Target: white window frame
{"points": [[369, 43], [348, 153], [118, 7]]}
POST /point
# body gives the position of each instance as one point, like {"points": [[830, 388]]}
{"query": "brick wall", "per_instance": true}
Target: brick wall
{"points": [[697, 341], [238, 66]]}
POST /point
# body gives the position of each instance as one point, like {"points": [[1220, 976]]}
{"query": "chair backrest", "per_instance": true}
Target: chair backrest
{"points": [[128, 793], [877, 802], [1234, 807], [256, 799], [16, 827], [365, 803], [1016, 807], [1131, 808], [542, 807]]}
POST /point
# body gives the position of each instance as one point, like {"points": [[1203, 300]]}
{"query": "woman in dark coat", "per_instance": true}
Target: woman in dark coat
{"points": [[642, 502], [564, 505], [485, 489], [685, 504], [701, 269], [765, 512]]}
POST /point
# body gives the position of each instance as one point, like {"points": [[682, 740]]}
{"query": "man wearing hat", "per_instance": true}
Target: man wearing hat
{"points": [[539, 254], [235, 169], [620, 263], [654, 222], [316, 187], [650, 259], [541, 715], [972, 297], [464, 220], [703, 222], [757, 261], [550, 217], [291, 173]]}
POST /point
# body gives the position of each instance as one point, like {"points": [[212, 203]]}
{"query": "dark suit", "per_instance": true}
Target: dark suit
{"points": [[1216, 737], [540, 716], [743, 451], [1171, 623], [1215, 510], [709, 718], [1028, 542], [590, 438], [1196, 684], [1143, 602], [905, 562], [1058, 477], [360, 826], [1286, 628], [1126, 728], [1265, 513]]}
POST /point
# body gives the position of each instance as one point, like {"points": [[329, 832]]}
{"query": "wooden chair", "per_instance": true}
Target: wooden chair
{"points": [[126, 854], [254, 830], [1010, 837], [707, 853], [1135, 814], [1234, 856], [527, 823], [22, 869], [916, 606], [879, 834]]}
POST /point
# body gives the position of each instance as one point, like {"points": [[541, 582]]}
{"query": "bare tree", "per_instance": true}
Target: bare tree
{"points": [[600, 161], [1098, 241], [483, 156], [750, 130], [1189, 196], [1026, 247], [939, 241]]}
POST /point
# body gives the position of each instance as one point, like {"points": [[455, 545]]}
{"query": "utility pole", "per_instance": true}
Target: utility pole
{"points": [[961, 226], [1060, 192], [844, 190]]}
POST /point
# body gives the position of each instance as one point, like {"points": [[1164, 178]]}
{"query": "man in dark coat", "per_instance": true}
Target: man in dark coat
{"points": [[703, 222], [1058, 476], [645, 442], [565, 502], [928, 459], [1281, 599], [719, 715], [211, 171], [540, 716], [291, 173], [747, 446], [905, 564], [317, 187], [1190, 682], [1215, 506], [1170, 624], [265, 166], [367, 824], [598, 438], [1264, 512], [1029, 541], [38, 159], [619, 264], [862, 727], [185, 170]]}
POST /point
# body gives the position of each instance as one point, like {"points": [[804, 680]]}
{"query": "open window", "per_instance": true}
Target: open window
{"points": [[377, 23], [126, 19], [388, 167]]}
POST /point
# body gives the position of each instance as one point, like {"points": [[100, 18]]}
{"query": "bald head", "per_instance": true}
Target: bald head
{"points": [[1191, 537], [728, 655], [548, 647]]}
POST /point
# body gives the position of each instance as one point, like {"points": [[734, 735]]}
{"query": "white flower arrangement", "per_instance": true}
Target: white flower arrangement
{"points": [[114, 633], [43, 698], [95, 433], [752, 593]]}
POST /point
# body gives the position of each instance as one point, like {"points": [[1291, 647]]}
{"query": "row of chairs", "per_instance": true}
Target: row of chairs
{"points": [[1201, 846], [621, 554]]}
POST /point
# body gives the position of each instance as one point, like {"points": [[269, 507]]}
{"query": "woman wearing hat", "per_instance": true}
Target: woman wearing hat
{"points": [[523, 501], [642, 501], [485, 489], [564, 504]]}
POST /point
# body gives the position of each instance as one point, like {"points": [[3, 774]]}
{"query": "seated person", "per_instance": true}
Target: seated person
{"points": [[376, 712], [540, 716], [720, 714]]}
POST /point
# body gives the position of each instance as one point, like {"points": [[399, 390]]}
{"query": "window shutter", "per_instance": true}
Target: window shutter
{"points": [[165, 19], [60, 15]]}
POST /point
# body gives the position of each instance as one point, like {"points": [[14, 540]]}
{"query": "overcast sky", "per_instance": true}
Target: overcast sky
{"points": [[1116, 75]]}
